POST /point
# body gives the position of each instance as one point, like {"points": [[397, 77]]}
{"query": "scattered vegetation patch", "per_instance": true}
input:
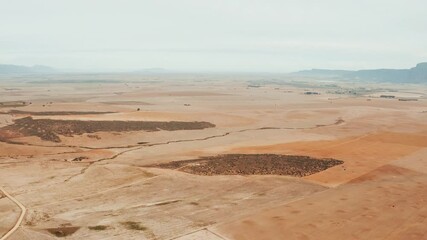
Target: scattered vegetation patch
{"points": [[79, 159], [33, 217], [166, 203], [63, 231], [55, 113], [252, 164], [134, 226], [98, 227], [147, 174], [13, 104]]}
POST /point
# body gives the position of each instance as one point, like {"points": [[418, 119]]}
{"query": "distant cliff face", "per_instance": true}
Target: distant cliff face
{"points": [[17, 69], [417, 74], [421, 66]]}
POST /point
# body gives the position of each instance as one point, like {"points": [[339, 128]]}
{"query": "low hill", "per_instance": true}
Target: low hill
{"points": [[18, 69], [417, 74]]}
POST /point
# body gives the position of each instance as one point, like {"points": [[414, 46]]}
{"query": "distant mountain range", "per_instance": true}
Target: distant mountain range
{"points": [[417, 74], [40, 69], [17, 69]]}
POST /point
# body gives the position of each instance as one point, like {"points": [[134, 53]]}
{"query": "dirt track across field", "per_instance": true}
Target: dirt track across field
{"points": [[19, 220]]}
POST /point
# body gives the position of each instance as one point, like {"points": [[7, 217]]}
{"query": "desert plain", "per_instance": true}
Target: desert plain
{"points": [[211, 156]]}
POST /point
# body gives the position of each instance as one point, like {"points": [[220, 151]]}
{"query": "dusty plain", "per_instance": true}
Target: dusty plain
{"points": [[78, 180]]}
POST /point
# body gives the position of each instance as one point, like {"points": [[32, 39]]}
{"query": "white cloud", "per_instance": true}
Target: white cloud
{"points": [[241, 35]]}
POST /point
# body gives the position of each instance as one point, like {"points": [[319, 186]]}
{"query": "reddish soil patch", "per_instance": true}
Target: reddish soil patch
{"points": [[252, 164], [387, 203], [49, 129], [381, 173]]}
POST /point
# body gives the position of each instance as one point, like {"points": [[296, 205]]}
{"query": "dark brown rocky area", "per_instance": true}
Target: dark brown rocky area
{"points": [[252, 164], [49, 129]]}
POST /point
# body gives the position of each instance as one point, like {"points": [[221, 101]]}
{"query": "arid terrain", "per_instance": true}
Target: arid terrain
{"points": [[210, 156]]}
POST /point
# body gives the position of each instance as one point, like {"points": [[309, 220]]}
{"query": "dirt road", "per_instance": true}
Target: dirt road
{"points": [[19, 220]]}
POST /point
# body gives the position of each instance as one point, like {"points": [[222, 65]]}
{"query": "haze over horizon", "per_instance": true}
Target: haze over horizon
{"points": [[190, 35]]}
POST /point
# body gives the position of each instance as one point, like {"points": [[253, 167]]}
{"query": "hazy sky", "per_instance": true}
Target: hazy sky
{"points": [[214, 35]]}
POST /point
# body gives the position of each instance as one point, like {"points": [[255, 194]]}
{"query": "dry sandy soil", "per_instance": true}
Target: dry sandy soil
{"points": [[211, 157]]}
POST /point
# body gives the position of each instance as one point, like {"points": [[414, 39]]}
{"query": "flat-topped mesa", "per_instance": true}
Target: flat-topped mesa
{"points": [[417, 74], [422, 65], [49, 129]]}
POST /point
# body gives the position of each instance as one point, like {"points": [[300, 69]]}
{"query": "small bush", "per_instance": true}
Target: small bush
{"points": [[134, 226], [98, 227]]}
